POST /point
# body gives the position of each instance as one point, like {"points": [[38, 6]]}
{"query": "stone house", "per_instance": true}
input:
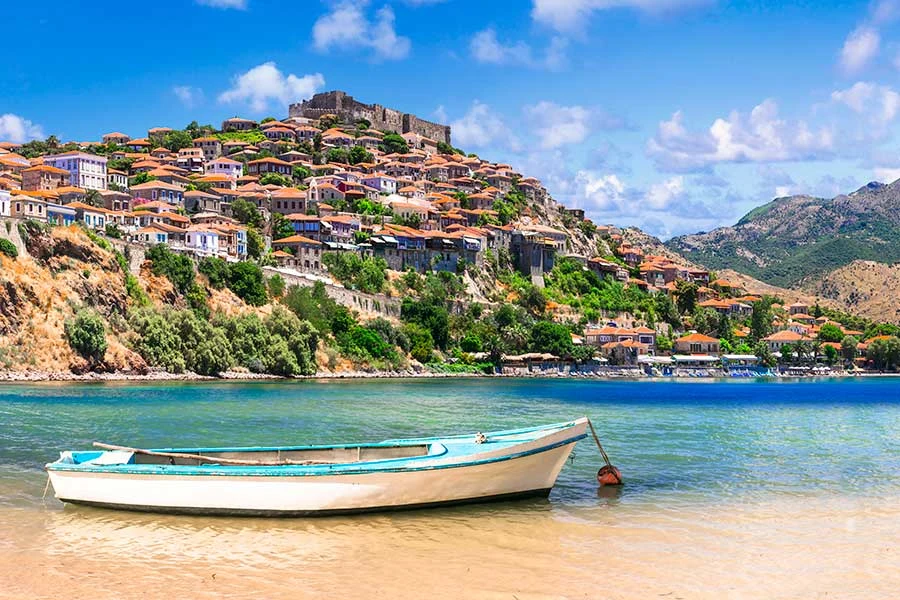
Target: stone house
{"points": [[697, 343]]}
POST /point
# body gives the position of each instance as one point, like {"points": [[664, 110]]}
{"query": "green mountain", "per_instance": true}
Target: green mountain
{"points": [[794, 240]]}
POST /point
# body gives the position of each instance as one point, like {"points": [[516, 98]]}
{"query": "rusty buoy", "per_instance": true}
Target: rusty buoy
{"points": [[609, 475]]}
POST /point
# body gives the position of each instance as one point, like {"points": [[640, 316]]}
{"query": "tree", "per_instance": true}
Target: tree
{"points": [[216, 271], [274, 179], [299, 173], [281, 227], [764, 354], [142, 177], [366, 342], [761, 320], [848, 348], [554, 338], [359, 154], [367, 274], [421, 344], [884, 353], [392, 143], [276, 286], [471, 343], [686, 295], [176, 140], [829, 332], [337, 155], [93, 198], [176, 267], [724, 329], [255, 243], [430, 314], [505, 211], [533, 299], [87, 335], [158, 342], [247, 212], [831, 354], [245, 279]]}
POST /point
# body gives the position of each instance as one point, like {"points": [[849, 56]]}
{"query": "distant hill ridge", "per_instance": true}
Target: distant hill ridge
{"points": [[796, 240]]}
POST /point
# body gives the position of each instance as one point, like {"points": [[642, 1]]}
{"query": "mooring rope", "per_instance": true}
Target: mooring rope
{"points": [[46, 487], [599, 445]]}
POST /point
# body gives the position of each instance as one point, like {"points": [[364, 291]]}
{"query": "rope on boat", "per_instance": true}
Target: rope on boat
{"points": [[608, 474]]}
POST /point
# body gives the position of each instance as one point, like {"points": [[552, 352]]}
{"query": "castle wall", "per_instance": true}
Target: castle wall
{"points": [[349, 110]]}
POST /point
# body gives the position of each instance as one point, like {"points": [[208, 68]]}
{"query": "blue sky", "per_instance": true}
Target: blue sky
{"points": [[673, 115]]}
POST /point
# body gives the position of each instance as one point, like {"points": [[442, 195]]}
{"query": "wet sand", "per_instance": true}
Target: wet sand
{"points": [[789, 548]]}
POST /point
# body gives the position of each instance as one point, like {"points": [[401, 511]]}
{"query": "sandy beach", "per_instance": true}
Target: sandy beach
{"points": [[777, 550]]}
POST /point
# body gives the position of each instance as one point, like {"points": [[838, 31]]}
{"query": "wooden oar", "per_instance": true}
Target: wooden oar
{"points": [[211, 459]]}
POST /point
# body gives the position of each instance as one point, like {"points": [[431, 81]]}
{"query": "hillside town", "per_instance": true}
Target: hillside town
{"points": [[330, 179]]}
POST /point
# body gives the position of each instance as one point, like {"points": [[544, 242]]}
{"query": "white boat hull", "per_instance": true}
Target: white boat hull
{"points": [[532, 471]]}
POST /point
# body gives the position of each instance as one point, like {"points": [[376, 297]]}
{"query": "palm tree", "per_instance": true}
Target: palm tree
{"points": [[93, 198]]}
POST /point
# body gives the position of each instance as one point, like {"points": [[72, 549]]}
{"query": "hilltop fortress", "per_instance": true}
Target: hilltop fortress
{"points": [[349, 109]]}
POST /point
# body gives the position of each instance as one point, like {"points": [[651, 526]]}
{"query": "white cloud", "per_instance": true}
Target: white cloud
{"points": [[571, 15], [482, 128], [761, 136], [887, 174], [238, 4], [264, 84], [486, 48], [347, 25], [556, 125], [879, 102], [189, 96], [661, 195], [14, 128], [860, 47], [600, 192]]}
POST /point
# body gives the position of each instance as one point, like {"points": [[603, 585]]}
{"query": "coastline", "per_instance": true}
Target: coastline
{"points": [[32, 376]]}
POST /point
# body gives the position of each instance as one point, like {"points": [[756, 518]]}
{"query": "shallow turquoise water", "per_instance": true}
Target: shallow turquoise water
{"points": [[677, 443]]}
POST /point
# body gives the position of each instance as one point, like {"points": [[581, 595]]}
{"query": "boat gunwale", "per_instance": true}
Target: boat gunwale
{"points": [[337, 469]]}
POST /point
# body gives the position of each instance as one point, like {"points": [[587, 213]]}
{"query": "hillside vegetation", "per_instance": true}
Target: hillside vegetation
{"points": [[798, 239]]}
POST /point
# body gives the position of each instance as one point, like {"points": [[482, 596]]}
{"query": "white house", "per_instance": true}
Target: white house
{"points": [[382, 183], [202, 239], [4, 203], [117, 178], [225, 166], [87, 171]]}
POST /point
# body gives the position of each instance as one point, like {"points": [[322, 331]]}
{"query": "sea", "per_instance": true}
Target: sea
{"points": [[733, 490]]}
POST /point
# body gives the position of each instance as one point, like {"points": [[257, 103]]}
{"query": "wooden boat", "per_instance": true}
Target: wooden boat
{"points": [[320, 480]]}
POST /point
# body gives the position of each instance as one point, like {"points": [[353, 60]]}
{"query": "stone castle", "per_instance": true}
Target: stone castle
{"points": [[349, 110]]}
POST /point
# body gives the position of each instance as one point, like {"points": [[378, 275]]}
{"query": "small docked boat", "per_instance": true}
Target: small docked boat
{"points": [[320, 480]]}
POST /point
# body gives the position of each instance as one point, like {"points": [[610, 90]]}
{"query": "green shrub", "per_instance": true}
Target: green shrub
{"points": [[176, 267], [276, 286], [216, 270], [112, 230], [197, 300], [366, 274], [420, 342], [87, 334], [470, 343], [364, 342], [245, 279], [8, 248], [157, 340], [135, 291]]}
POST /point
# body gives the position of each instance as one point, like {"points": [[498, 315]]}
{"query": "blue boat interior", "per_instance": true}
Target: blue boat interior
{"points": [[385, 455]]}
